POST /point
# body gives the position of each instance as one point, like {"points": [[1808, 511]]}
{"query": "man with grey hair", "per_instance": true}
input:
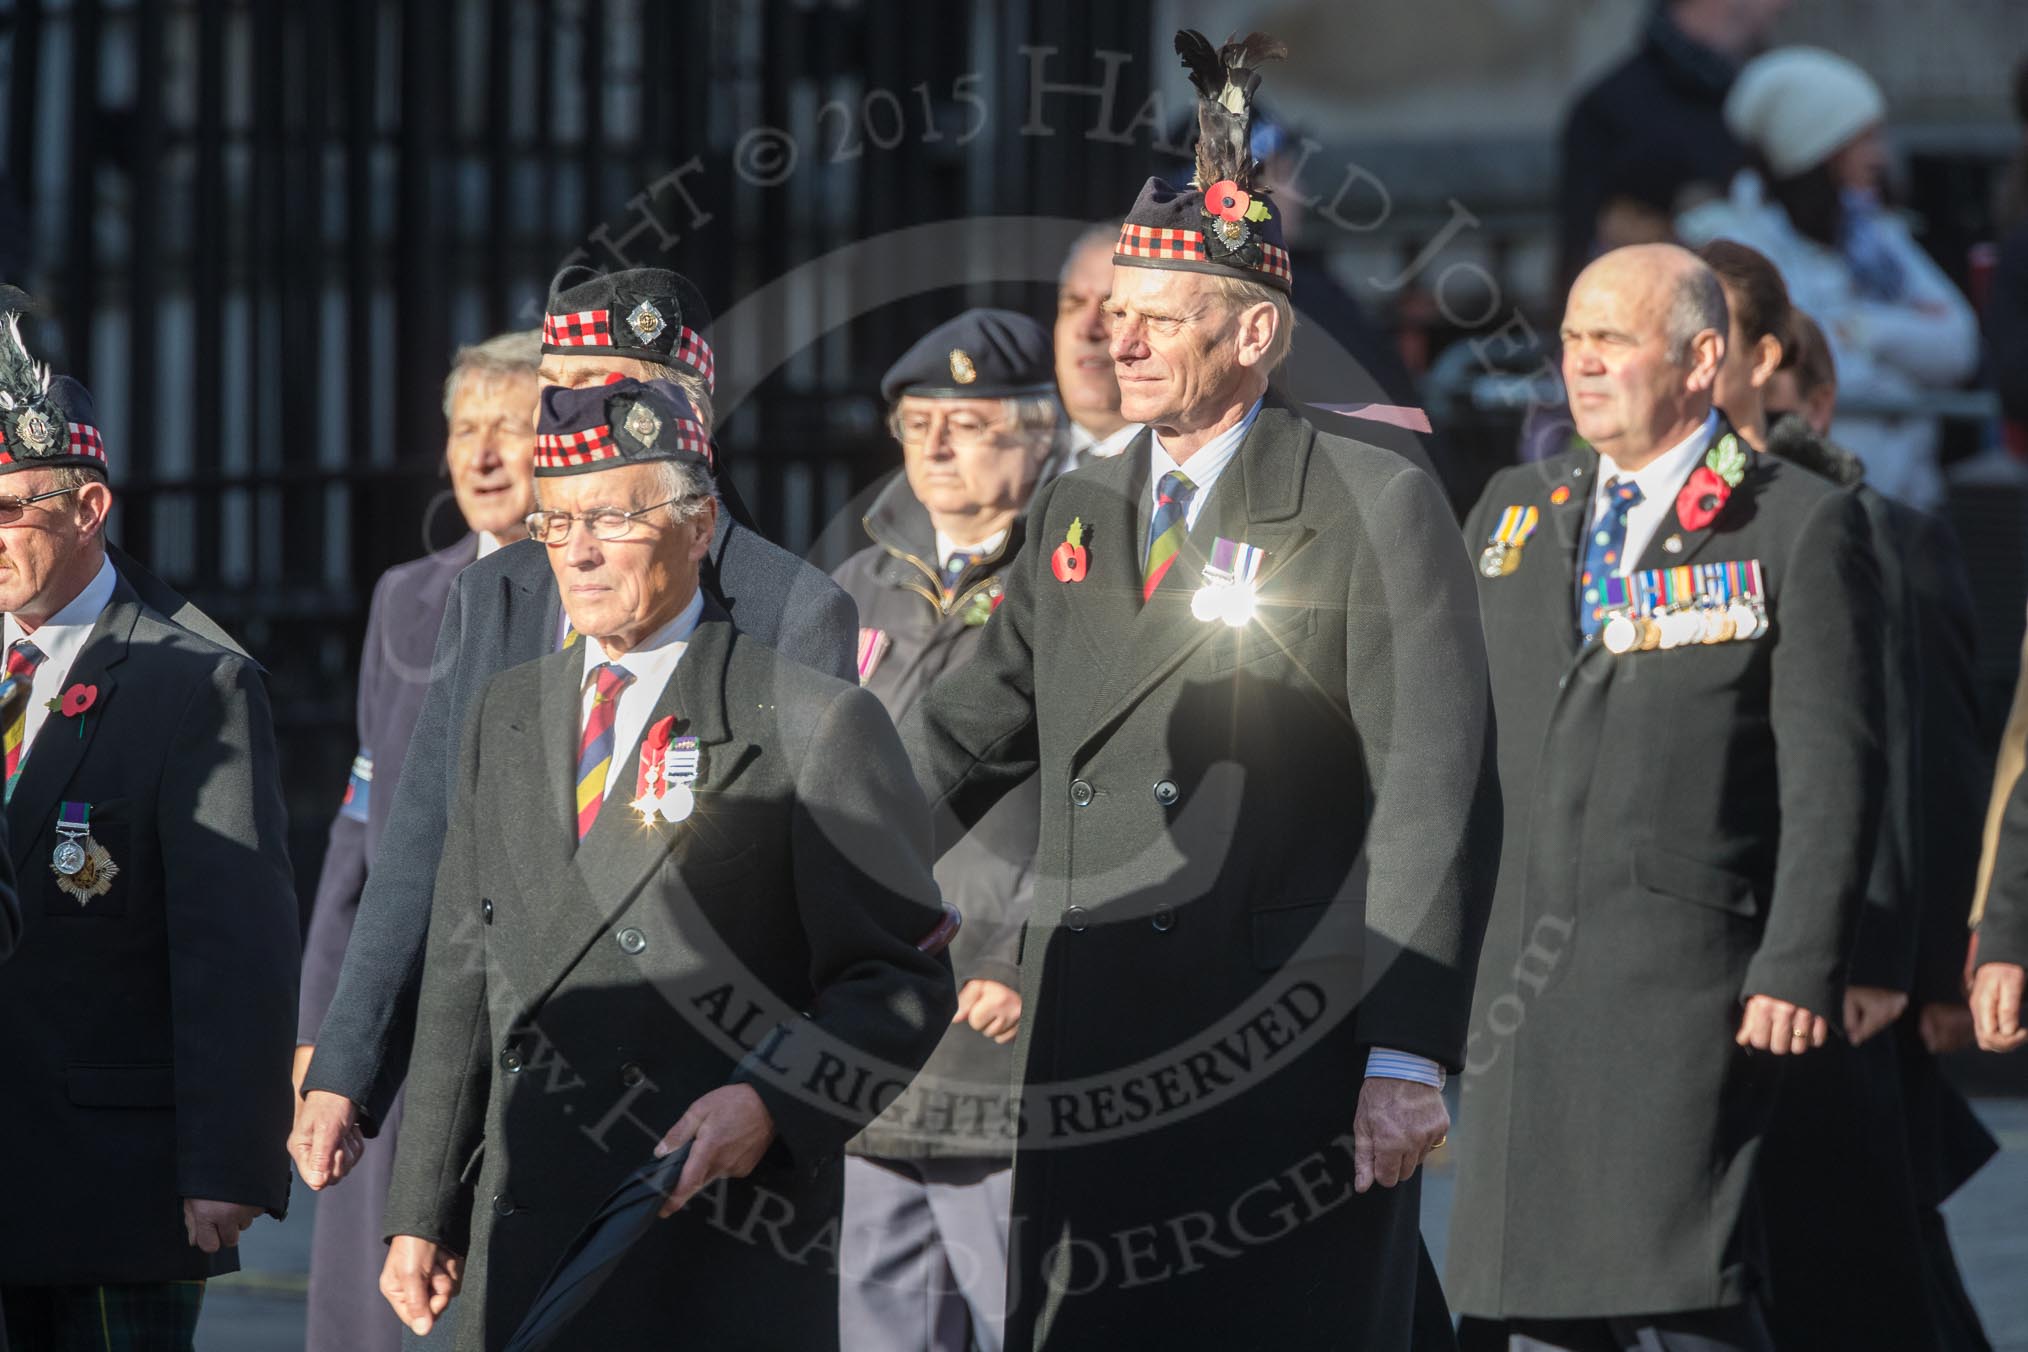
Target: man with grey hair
{"points": [[503, 611], [1243, 660], [1686, 655], [665, 839], [489, 412]]}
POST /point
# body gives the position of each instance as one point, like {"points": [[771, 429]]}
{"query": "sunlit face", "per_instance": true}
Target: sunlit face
{"points": [[1624, 385], [576, 372], [967, 456], [1084, 362], [491, 451], [624, 589], [1174, 347], [41, 543]]}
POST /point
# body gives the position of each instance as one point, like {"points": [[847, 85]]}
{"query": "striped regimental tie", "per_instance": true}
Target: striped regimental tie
{"points": [[1602, 552], [1166, 528], [23, 657], [595, 748]]}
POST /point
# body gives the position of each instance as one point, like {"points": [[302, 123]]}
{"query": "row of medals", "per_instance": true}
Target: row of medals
{"points": [[1704, 622]]}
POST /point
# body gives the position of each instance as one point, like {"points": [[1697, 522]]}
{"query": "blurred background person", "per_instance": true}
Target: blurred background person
{"points": [[1859, 1130], [1814, 202], [923, 1250], [2007, 305], [1083, 360], [489, 453], [1654, 127]]}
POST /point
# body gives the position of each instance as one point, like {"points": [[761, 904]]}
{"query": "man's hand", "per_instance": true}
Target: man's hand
{"points": [[1398, 1122], [731, 1129], [1996, 1006], [1868, 1009], [991, 1007], [212, 1226], [419, 1280], [1946, 1026], [326, 1142], [1776, 1026]]}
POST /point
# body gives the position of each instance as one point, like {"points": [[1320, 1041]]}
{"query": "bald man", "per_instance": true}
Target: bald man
{"points": [[1685, 648]]}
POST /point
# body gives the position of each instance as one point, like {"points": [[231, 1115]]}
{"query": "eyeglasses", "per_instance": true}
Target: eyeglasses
{"points": [[964, 431], [10, 506], [606, 523]]}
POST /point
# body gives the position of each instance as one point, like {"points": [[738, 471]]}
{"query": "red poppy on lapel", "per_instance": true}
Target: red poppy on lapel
{"points": [[77, 699], [1071, 559], [1702, 498]]}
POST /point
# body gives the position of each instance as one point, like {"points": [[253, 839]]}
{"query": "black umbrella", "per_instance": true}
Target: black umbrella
{"points": [[613, 1229], [627, 1214]]}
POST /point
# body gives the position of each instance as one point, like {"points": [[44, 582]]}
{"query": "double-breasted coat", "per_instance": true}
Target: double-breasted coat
{"points": [[1264, 849], [1684, 828], [579, 997], [147, 1028]]}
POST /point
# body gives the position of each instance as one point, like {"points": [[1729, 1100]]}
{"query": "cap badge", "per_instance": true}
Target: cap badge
{"points": [[646, 321], [962, 369], [35, 429], [643, 425]]}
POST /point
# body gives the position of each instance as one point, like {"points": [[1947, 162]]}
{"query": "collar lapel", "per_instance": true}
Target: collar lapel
{"points": [[61, 743], [610, 866], [1108, 601], [1565, 525], [526, 583], [1658, 554], [1255, 501]]}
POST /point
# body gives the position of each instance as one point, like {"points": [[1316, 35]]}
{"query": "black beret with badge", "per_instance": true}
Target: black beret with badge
{"points": [[622, 422], [982, 354], [1221, 221], [648, 314], [46, 422]]}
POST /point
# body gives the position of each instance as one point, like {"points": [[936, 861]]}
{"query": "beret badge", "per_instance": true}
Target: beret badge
{"points": [[963, 370], [642, 424], [35, 431], [646, 321]]}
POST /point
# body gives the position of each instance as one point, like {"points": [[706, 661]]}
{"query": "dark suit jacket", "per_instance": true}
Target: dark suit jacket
{"points": [[148, 1029], [504, 611], [394, 673], [1301, 809], [1685, 828], [579, 997]]}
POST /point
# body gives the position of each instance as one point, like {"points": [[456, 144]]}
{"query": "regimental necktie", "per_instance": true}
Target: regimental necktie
{"points": [[595, 748], [1602, 550], [1166, 528], [955, 566], [23, 657]]}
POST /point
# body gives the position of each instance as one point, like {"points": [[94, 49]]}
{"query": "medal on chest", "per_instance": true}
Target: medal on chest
{"points": [[82, 867], [669, 766], [1510, 534], [1228, 590]]}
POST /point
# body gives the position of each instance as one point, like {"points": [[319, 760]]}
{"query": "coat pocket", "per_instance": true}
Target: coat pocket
{"points": [[1669, 874], [90, 1086], [1330, 929]]}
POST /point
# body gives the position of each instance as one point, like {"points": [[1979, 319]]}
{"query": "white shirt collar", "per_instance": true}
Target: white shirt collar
{"points": [[1663, 475], [488, 543], [62, 636], [947, 546], [1204, 467]]}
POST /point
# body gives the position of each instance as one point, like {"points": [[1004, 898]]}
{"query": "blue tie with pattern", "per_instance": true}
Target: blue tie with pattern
{"points": [[1602, 550]]}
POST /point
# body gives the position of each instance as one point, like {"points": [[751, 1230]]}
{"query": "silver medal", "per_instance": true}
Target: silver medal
{"points": [[69, 857]]}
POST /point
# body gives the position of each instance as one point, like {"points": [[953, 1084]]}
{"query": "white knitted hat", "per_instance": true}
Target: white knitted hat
{"points": [[1797, 105]]}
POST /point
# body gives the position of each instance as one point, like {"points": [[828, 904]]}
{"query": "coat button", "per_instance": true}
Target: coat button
{"points": [[510, 1061], [1081, 793], [503, 1205], [631, 940], [486, 910], [1163, 920], [1166, 792], [1073, 920], [631, 1075]]}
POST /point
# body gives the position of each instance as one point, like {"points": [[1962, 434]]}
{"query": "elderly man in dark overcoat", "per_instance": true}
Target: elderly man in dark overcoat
{"points": [[679, 905], [1685, 639], [1243, 659]]}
